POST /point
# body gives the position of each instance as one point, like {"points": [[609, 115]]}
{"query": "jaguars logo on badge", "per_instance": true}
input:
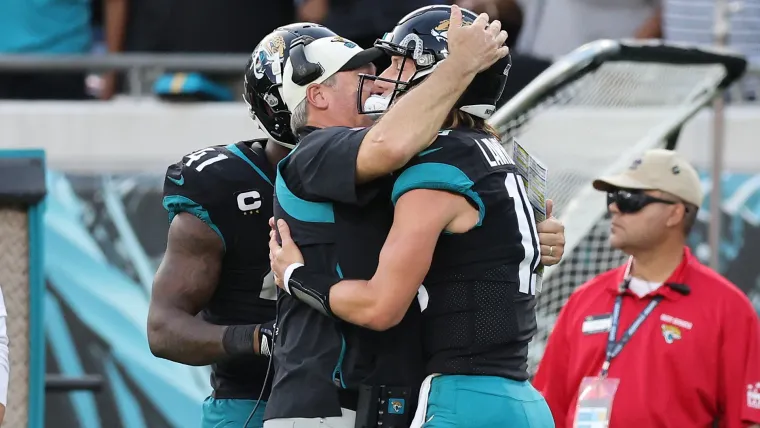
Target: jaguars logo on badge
{"points": [[671, 333], [396, 406]]}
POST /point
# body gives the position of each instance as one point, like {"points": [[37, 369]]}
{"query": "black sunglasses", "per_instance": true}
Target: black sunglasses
{"points": [[633, 201]]}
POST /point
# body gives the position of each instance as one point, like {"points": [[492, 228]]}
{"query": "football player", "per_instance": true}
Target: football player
{"points": [[462, 226], [213, 299]]}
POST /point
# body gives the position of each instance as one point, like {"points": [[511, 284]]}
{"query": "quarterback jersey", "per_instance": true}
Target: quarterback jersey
{"points": [[230, 189], [340, 228], [481, 313]]}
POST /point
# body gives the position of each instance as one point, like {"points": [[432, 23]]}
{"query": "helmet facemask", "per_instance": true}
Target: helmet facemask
{"points": [[411, 47]]}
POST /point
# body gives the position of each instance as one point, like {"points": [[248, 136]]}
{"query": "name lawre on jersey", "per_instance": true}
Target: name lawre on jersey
{"points": [[494, 152]]}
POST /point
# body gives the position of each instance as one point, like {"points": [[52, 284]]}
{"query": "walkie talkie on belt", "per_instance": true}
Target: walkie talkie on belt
{"points": [[384, 406]]}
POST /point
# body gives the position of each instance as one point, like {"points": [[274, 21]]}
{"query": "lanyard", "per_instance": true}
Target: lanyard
{"points": [[615, 346]]}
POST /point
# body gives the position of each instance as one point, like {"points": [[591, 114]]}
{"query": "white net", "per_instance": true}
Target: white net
{"points": [[14, 282], [586, 112]]}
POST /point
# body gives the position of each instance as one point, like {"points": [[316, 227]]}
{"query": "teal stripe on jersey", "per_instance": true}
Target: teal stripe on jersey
{"points": [[438, 176], [176, 204], [302, 210], [235, 150]]}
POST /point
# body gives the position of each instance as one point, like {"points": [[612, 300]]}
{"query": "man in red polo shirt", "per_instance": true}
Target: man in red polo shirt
{"points": [[662, 341]]}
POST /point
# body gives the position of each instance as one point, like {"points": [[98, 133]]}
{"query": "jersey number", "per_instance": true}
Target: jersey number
{"points": [[526, 223], [196, 156]]}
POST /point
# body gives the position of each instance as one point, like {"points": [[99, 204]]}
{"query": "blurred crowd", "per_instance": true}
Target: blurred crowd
{"points": [[540, 31]]}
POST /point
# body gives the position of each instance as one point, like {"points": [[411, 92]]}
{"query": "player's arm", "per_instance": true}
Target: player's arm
{"points": [[183, 285], [412, 123], [739, 381], [432, 186], [381, 302]]}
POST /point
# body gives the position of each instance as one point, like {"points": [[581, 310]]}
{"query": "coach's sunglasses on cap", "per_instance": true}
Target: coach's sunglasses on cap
{"points": [[633, 201]]}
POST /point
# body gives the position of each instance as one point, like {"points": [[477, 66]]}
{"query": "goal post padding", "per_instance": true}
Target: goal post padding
{"points": [[22, 192], [609, 101]]}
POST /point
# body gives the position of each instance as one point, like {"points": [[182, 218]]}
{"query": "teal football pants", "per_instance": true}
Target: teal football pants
{"points": [[485, 402]]}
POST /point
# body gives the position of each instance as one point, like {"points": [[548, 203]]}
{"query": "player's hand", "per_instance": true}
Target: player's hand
{"points": [[478, 46], [551, 236], [282, 255]]}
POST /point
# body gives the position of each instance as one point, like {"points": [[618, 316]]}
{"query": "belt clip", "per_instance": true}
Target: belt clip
{"points": [[605, 370]]}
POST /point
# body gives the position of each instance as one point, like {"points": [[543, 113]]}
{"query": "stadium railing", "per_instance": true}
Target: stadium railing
{"points": [[136, 66], [139, 66]]}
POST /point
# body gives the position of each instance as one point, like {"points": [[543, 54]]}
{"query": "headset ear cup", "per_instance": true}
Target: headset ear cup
{"points": [[304, 71]]}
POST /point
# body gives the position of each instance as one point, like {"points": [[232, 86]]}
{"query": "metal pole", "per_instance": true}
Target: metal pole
{"points": [[721, 35], [716, 196], [134, 76]]}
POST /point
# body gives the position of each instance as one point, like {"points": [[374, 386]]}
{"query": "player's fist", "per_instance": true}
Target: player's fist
{"points": [[477, 46], [551, 236]]}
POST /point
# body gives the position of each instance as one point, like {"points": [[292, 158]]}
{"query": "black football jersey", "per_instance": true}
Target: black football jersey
{"points": [[481, 313], [340, 228], [230, 189]]}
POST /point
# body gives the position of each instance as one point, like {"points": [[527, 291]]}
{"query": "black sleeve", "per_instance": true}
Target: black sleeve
{"points": [[196, 188], [325, 165]]}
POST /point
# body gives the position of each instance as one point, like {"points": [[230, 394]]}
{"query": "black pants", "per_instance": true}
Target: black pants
{"points": [[43, 86]]}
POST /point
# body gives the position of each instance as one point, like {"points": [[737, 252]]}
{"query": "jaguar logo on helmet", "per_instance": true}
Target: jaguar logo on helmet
{"points": [[270, 49], [441, 31]]}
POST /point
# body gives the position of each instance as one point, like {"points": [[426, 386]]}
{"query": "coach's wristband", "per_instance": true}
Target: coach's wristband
{"points": [[238, 340], [289, 271], [312, 287]]}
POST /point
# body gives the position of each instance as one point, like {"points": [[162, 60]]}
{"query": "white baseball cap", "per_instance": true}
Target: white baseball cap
{"points": [[658, 169], [333, 54]]}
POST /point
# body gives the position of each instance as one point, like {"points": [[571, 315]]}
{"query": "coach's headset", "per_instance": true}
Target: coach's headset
{"points": [[304, 71]]}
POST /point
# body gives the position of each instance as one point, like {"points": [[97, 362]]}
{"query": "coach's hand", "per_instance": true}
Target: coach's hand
{"points": [[478, 46], [551, 236], [282, 256]]}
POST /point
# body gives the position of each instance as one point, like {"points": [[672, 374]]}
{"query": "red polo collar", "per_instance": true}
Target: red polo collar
{"points": [[678, 276]]}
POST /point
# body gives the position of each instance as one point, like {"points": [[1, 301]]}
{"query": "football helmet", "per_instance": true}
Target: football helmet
{"points": [[422, 36], [263, 80]]}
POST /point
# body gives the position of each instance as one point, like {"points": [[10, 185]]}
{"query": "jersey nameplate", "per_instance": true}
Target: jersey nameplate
{"points": [[494, 152]]}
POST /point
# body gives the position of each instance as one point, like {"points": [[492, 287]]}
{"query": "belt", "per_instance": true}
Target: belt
{"points": [[348, 399]]}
